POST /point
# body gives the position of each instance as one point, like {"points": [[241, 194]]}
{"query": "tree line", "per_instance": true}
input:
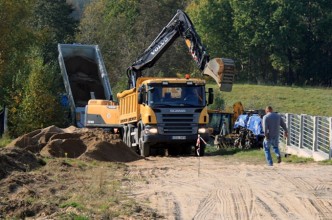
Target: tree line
{"points": [[277, 42]]}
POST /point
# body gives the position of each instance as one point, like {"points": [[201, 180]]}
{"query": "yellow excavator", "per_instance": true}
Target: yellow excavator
{"points": [[221, 125], [153, 113]]}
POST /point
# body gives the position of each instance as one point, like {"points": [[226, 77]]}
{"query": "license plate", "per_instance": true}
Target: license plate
{"points": [[179, 137]]}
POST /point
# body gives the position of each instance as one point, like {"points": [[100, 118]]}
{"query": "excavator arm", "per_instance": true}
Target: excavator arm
{"points": [[220, 69]]}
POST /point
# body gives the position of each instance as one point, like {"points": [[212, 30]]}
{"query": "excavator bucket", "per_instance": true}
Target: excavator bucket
{"points": [[222, 70]]}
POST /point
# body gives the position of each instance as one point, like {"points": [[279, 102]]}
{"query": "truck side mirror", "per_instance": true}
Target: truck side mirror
{"points": [[211, 96], [140, 95]]}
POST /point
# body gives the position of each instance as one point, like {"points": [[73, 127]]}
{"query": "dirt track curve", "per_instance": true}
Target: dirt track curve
{"points": [[211, 188]]}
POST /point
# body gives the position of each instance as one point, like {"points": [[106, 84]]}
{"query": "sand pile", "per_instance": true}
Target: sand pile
{"points": [[75, 142]]}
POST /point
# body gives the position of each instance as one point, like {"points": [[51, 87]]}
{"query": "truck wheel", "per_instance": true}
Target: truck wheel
{"points": [[186, 150], [130, 138], [143, 147], [124, 137]]}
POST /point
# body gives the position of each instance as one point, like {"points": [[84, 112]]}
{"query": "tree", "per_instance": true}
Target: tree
{"points": [[15, 39], [213, 21], [53, 23], [40, 103], [124, 29]]}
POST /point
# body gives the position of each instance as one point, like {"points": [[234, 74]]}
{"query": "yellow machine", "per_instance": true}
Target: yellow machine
{"points": [[221, 124], [164, 112], [220, 118]]}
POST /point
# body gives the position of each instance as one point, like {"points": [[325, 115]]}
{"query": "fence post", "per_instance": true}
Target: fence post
{"points": [[288, 121], [301, 131], [330, 137], [315, 134]]}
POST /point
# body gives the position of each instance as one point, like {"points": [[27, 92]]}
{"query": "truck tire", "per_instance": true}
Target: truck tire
{"points": [[130, 138], [143, 146], [124, 137]]}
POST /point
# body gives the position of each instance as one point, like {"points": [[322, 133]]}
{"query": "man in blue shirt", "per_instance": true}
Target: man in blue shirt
{"points": [[271, 126]]}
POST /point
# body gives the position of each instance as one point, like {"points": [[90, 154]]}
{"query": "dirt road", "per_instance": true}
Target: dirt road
{"points": [[214, 188]]}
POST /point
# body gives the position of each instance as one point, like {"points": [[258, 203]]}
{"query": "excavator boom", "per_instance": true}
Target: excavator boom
{"points": [[220, 69]]}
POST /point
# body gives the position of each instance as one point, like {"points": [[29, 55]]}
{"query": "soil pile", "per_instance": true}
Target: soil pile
{"points": [[105, 151], [73, 142], [17, 159]]}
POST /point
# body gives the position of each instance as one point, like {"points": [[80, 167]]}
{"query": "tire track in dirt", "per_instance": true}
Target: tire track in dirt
{"points": [[227, 200], [317, 200], [205, 188]]}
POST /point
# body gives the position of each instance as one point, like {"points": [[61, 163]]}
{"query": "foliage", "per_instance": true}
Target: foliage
{"points": [[53, 24], [15, 39], [275, 42], [125, 29], [5, 140], [214, 22], [39, 106], [26, 26]]}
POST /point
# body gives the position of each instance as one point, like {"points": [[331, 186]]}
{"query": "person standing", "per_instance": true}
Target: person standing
{"points": [[272, 122]]}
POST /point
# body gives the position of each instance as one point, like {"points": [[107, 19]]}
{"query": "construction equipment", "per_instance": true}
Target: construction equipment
{"points": [[153, 112], [241, 129], [249, 130], [85, 77], [221, 125]]}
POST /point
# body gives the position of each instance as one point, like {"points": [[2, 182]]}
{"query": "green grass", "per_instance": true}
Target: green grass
{"points": [[236, 155], [284, 99], [5, 140], [256, 156], [71, 204], [296, 159], [325, 162]]}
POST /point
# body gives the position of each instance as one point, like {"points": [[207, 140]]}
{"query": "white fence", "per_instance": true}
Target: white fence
{"points": [[308, 136]]}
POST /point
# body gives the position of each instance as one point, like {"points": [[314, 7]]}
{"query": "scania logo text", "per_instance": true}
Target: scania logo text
{"points": [[177, 110]]}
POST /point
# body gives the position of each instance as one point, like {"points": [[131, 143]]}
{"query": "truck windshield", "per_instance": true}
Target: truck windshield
{"points": [[176, 95]]}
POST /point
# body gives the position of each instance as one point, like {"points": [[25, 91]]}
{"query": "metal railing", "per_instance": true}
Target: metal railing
{"points": [[312, 134]]}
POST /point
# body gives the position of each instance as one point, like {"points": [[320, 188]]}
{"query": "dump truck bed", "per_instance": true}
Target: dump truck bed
{"points": [[85, 77]]}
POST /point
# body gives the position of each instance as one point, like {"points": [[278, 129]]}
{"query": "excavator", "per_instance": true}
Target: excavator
{"points": [[220, 69], [154, 113]]}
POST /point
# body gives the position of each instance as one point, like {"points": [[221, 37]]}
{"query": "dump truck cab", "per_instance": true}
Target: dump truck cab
{"points": [[178, 107], [171, 114]]}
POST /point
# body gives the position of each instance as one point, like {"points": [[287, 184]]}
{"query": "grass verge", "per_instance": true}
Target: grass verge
{"points": [[285, 99], [256, 156]]}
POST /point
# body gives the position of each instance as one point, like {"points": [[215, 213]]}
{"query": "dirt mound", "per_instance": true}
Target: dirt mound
{"points": [[71, 148], [73, 142], [116, 152], [36, 140], [17, 159]]}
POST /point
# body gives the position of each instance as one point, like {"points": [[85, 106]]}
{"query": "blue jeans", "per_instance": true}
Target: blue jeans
{"points": [[267, 145]]}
